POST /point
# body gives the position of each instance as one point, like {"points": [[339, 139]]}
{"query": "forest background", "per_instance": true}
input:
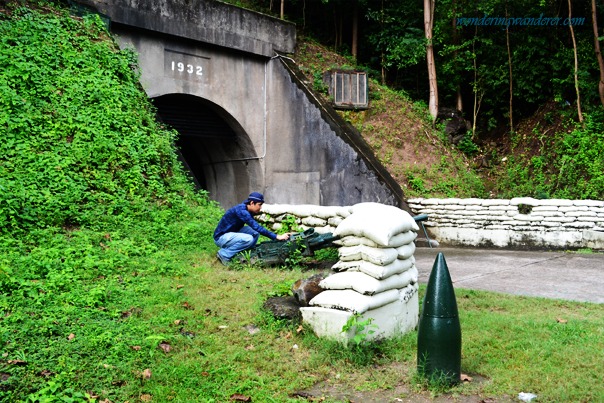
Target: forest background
{"points": [[529, 85]]}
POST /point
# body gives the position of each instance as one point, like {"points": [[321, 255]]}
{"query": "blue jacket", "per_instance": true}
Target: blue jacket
{"points": [[235, 218]]}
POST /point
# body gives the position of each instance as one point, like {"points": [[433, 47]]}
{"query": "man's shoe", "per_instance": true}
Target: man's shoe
{"points": [[222, 260]]}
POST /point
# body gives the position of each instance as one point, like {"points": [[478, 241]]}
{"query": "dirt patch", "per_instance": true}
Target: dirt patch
{"points": [[334, 390]]}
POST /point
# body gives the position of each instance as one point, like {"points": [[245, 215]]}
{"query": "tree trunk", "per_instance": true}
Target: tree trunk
{"points": [[598, 52], [355, 29], [335, 31], [478, 94], [382, 56], [572, 34], [428, 24], [507, 41], [458, 97], [282, 13]]}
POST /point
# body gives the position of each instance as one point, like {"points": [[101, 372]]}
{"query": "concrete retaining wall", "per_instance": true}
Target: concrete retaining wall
{"points": [[521, 222]]}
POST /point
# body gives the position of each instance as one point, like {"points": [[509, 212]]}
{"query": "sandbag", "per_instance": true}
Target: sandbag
{"points": [[352, 301], [345, 266], [365, 284], [379, 256], [377, 222], [313, 221], [396, 241], [406, 251], [334, 221], [408, 292], [377, 271]]}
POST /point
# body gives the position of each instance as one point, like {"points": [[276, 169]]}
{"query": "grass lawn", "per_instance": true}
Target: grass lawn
{"points": [[224, 346], [173, 325]]}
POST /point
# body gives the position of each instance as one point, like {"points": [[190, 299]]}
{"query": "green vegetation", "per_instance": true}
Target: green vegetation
{"points": [[401, 134], [568, 164], [108, 286], [94, 209]]}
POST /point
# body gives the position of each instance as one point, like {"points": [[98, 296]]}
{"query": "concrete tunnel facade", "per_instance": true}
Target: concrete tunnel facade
{"points": [[247, 119]]}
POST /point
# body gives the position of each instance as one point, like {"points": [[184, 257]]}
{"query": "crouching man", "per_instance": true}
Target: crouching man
{"points": [[238, 231]]}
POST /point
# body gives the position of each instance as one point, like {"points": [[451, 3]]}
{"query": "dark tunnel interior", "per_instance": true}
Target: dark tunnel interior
{"points": [[202, 132]]}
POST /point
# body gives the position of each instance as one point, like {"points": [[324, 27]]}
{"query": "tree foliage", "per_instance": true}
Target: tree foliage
{"points": [[471, 50], [93, 205]]}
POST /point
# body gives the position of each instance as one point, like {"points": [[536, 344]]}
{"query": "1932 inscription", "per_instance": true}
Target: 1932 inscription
{"points": [[185, 66]]}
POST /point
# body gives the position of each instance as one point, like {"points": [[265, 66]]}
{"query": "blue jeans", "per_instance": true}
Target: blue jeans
{"points": [[232, 243]]}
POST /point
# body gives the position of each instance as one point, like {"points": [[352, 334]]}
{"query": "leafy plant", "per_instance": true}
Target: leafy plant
{"points": [[360, 328], [295, 257], [290, 224], [318, 83], [467, 145], [56, 392], [242, 261], [327, 254], [282, 289]]}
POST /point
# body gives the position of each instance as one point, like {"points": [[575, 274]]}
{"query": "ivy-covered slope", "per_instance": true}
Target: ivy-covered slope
{"points": [[80, 144]]}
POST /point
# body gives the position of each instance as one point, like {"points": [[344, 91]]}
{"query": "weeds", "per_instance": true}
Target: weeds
{"points": [[437, 382], [361, 330]]}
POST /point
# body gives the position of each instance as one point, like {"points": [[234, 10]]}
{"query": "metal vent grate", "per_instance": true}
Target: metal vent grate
{"points": [[349, 89]]}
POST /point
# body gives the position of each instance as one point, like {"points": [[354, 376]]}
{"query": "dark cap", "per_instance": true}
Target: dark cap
{"points": [[256, 197]]}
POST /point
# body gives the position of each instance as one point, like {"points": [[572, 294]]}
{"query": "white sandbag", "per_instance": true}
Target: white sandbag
{"points": [[396, 241], [313, 221], [324, 230], [302, 210], [389, 212], [365, 284], [334, 221], [326, 212], [406, 251], [379, 256], [345, 266], [276, 209], [377, 222], [382, 272], [352, 301], [344, 211], [408, 292]]}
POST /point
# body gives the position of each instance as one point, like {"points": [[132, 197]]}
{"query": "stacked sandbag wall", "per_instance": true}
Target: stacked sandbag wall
{"points": [[375, 281], [322, 218], [521, 222]]}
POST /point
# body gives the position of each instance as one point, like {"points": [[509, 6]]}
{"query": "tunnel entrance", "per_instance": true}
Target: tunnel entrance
{"points": [[214, 148]]}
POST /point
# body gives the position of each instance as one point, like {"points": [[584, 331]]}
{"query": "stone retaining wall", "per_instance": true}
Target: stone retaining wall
{"points": [[521, 222]]}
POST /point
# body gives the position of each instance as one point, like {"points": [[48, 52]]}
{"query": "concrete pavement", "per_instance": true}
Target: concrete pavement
{"points": [[557, 275]]}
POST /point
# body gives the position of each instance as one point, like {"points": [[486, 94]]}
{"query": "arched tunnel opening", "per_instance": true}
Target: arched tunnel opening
{"points": [[213, 147]]}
